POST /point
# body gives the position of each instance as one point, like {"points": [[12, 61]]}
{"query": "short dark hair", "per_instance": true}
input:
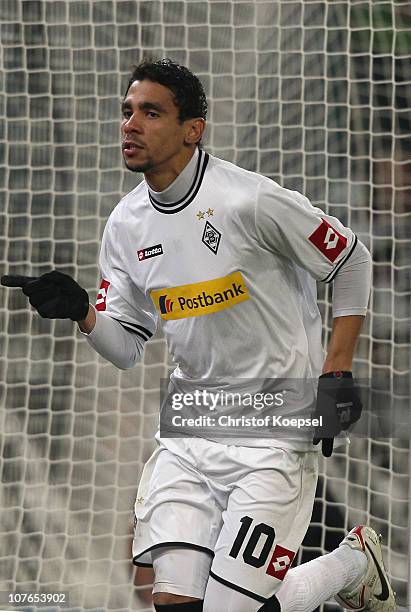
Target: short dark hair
{"points": [[188, 91]]}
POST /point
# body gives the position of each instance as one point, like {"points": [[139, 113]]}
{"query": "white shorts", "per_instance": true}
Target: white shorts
{"points": [[249, 508]]}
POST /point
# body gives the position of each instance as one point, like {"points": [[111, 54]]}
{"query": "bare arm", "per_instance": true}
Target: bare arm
{"points": [[342, 343], [89, 322]]}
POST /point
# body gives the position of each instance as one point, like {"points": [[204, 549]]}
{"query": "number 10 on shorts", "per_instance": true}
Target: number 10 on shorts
{"points": [[281, 558]]}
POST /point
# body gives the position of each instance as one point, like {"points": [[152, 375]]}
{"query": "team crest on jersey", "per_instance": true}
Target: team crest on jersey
{"points": [[328, 241], [102, 295], [211, 237], [149, 252]]}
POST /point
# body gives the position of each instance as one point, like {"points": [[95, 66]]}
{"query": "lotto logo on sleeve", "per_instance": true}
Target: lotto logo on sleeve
{"points": [[102, 295], [327, 240], [200, 298], [280, 562]]}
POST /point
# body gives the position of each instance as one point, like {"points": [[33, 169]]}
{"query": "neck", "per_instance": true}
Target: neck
{"points": [[160, 178]]}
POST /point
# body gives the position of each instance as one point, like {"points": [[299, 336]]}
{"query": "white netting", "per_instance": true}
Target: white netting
{"points": [[311, 93]]}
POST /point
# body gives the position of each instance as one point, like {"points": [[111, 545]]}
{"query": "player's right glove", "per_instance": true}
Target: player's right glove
{"points": [[54, 295], [338, 405]]}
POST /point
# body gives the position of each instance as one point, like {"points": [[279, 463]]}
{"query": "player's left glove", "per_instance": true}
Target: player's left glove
{"points": [[339, 405], [54, 295]]}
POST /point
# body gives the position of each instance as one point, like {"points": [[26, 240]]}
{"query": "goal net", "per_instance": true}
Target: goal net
{"points": [[310, 93]]}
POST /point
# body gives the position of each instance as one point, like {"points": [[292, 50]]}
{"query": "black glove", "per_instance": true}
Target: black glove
{"points": [[54, 295], [339, 405]]}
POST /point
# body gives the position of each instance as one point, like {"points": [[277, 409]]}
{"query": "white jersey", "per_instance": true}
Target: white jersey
{"points": [[230, 270]]}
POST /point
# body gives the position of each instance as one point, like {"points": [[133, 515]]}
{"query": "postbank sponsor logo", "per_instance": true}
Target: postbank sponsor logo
{"points": [[202, 298]]}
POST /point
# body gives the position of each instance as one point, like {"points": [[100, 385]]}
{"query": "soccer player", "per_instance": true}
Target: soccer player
{"points": [[228, 261]]}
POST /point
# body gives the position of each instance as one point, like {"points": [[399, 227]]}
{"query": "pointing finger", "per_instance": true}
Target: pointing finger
{"points": [[17, 280]]}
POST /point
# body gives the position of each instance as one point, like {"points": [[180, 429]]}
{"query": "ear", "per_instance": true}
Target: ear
{"points": [[194, 130]]}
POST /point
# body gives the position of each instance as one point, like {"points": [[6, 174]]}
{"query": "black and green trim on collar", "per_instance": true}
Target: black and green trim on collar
{"points": [[174, 207]]}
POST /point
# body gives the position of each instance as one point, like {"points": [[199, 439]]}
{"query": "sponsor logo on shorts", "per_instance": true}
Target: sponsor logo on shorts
{"points": [[149, 252], [328, 241], [280, 562], [102, 295], [201, 298]]}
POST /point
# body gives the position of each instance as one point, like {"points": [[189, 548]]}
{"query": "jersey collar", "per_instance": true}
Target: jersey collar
{"points": [[183, 189]]}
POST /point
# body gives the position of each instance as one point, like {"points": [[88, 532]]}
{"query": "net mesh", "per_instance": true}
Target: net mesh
{"points": [[312, 94]]}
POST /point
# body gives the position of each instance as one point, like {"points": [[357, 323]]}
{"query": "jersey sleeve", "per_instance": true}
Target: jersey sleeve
{"points": [[289, 225], [118, 296]]}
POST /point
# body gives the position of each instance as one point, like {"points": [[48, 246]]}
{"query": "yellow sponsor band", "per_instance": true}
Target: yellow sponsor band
{"points": [[200, 299]]}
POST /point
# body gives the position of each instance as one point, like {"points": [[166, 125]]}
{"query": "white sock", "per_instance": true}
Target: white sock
{"points": [[311, 584]]}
